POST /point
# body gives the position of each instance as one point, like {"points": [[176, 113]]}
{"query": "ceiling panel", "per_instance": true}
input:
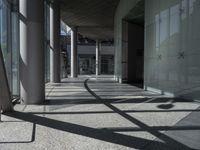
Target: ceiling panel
{"points": [[94, 18]]}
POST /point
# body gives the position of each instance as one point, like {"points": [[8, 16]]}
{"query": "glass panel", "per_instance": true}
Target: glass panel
{"points": [[5, 43], [9, 44], [47, 40], [15, 52]]}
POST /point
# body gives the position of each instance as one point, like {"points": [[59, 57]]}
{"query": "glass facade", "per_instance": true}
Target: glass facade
{"points": [[9, 42], [47, 40]]}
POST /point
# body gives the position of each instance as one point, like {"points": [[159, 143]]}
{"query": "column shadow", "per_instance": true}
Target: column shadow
{"points": [[169, 142]]}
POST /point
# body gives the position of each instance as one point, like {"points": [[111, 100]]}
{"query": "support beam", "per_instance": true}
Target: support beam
{"points": [[5, 97], [97, 57], [32, 85], [55, 42], [74, 53]]}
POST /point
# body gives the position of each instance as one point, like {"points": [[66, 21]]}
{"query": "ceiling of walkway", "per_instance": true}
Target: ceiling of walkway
{"points": [[136, 14], [94, 18]]}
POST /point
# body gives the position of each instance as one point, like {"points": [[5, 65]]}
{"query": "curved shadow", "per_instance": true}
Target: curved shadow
{"points": [[169, 142]]}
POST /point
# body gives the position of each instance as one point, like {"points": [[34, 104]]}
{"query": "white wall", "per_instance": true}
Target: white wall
{"points": [[172, 47]]}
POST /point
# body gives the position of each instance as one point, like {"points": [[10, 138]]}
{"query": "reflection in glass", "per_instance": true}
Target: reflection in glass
{"points": [[9, 44]]}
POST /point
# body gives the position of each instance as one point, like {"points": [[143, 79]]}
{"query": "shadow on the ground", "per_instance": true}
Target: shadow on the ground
{"points": [[90, 100], [109, 134], [169, 142], [25, 142], [100, 134]]}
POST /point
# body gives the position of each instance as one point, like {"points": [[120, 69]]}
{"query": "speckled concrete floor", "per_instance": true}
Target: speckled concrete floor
{"points": [[99, 114]]}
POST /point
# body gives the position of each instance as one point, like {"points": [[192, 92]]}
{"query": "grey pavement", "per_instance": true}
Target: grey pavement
{"points": [[100, 114]]}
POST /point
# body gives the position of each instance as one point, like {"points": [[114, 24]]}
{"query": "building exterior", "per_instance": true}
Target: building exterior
{"points": [[170, 44]]}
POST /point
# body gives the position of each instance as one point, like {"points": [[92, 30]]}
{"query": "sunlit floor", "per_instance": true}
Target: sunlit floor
{"points": [[100, 114]]}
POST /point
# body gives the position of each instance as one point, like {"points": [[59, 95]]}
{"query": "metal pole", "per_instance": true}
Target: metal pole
{"points": [[0, 112], [74, 52]]}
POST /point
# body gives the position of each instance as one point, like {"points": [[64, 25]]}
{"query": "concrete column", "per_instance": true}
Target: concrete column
{"points": [[55, 42], [74, 53], [32, 83], [97, 57]]}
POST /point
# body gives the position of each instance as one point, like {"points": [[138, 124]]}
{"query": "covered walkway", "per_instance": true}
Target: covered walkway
{"points": [[155, 46], [89, 113]]}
